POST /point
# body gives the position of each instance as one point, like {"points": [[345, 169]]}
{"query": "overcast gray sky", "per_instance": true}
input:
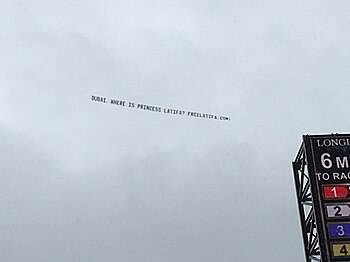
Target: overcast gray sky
{"points": [[84, 181]]}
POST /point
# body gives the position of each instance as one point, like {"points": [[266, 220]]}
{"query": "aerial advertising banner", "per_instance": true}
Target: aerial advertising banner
{"points": [[157, 109]]}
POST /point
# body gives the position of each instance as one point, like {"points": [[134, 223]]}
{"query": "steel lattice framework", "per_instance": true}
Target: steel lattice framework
{"points": [[306, 207]]}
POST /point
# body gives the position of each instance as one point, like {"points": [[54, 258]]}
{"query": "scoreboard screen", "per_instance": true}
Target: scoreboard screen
{"points": [[328, 161]]}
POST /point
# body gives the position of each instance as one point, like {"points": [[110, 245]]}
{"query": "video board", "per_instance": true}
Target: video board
{"points": [[328, 161]]}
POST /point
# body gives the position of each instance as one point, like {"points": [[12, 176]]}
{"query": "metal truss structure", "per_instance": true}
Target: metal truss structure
{"points": [[306, 208]]}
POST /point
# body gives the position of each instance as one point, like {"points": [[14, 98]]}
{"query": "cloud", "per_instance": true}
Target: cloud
{"points": [[84, 181]]}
